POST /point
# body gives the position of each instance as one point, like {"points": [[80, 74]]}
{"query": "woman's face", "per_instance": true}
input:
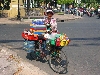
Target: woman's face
{"points": [[49, 15]]}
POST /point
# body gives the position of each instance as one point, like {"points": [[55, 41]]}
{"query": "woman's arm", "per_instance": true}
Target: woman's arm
{"points": [[54, 23]]}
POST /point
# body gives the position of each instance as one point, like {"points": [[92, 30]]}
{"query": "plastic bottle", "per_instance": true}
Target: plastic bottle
{"points": [[42, 22], [33, 21], [37, 22]]}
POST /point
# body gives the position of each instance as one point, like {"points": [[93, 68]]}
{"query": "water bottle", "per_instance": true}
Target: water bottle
{"points": [[34, 22], [37, 22], [40, 23]]}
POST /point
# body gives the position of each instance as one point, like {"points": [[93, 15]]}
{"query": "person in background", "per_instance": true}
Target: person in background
{"points": [[99, 12], [99, 8], [92, 12]]}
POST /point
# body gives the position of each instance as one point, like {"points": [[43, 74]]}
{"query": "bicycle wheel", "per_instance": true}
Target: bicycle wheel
{"points": [[34, 55], [59, 64]]}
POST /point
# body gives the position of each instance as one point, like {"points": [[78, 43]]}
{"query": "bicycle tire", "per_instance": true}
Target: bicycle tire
{"points": [[65, 68], [33, 55]]}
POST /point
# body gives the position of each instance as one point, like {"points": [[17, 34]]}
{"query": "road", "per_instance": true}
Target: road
{"points": [[83, 51]]}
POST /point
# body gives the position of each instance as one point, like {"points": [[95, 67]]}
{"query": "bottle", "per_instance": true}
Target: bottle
{"points": [[40, 23], [32, 21], [35, 22]]}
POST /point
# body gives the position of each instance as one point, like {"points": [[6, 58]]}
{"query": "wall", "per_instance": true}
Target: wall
{"points": [[13, 12]]}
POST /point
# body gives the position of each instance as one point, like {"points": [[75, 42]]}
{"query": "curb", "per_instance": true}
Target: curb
{"points": [[15, 23], [64, 20], [28, 21]]}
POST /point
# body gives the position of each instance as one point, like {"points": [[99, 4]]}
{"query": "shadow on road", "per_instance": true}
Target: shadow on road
{"points": [[30, 58], [78, 42], [88, 44], [94, 39], [75, 45], [93, 44], [8, 41]]}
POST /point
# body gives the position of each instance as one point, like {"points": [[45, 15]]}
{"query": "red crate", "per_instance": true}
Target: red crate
{"points": [[30, 37]]}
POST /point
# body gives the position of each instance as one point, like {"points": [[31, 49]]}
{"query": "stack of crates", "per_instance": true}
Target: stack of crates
{"points": [[38, 26]]}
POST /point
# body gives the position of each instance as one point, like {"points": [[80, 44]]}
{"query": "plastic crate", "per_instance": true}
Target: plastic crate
{"points": [[30, 37], [38, 27]]}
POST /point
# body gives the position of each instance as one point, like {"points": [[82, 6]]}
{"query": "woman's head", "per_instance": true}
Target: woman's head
{"points": [[49, 13]]}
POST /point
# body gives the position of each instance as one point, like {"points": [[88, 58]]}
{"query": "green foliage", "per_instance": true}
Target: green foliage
{"points": [[64, 1], [90, 1], [43, 1]]}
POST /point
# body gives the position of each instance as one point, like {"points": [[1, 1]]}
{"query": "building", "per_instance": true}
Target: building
{"points": [[10, 8]]}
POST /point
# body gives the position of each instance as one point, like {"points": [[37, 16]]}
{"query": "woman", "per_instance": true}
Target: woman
{"points": [[49, 21]]}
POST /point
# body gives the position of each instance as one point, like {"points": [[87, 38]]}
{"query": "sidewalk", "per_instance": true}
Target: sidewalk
{"points": [[28, 21], [12, 64], [66, 17]]}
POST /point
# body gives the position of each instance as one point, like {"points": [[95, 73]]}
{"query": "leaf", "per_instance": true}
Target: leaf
{"points": [[64, 1]]}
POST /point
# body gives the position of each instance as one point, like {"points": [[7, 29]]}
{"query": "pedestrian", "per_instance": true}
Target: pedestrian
{"points": [[92, 11], [99, 9], [99, 12]]}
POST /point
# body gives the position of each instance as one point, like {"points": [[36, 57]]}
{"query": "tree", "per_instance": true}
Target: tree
{"points": [[64, 1], [47, 1], [89, 1], [98, 1], [40, 1]]}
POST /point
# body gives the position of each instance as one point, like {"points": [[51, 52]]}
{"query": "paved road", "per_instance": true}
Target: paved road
{"points": [[83, 52]]}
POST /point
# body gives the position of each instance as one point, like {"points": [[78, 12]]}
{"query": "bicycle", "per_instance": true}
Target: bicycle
{"points": [[56, 62]]}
